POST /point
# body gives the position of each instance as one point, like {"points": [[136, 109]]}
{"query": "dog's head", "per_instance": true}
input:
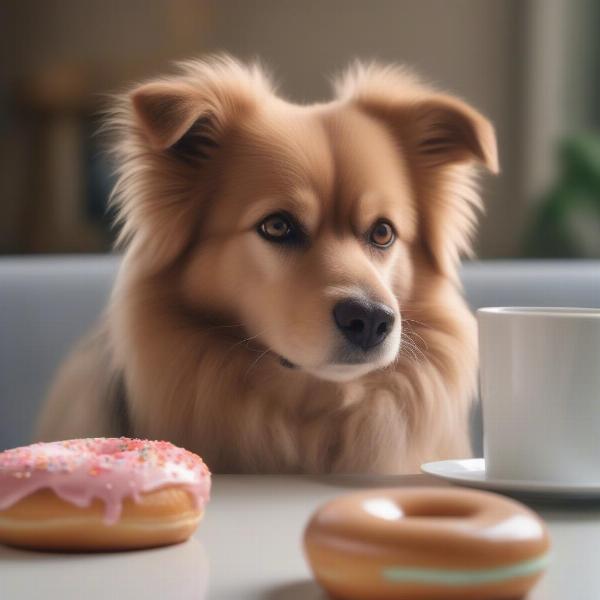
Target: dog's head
{"points": [[301, 223]]}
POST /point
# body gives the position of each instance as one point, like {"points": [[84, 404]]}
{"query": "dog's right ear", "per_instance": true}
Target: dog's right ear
{"points": [[166, 111], [177, 117], [188, 115], [162, 128]]}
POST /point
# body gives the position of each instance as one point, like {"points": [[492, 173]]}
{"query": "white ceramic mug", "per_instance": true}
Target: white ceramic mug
{"points": [[540, 389]]}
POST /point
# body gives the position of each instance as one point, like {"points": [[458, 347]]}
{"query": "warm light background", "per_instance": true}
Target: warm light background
{"points": [[531, 65]]}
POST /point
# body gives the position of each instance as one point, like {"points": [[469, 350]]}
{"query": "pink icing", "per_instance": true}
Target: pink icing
{"points": [[111, 469]]}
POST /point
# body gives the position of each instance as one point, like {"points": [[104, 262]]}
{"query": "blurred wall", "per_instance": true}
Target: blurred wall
{"points": [[470, 47], [60, 58], [54, 48]]}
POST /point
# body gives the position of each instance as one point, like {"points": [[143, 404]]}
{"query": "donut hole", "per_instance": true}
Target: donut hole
{"points": [[439, 508]]}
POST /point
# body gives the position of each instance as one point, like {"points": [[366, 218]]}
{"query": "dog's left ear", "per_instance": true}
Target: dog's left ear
{"points": [[443, 138], [444, 130], [440, 138]]}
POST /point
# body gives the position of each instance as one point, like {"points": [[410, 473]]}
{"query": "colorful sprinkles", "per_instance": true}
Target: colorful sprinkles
{"points": [[109, 468]]}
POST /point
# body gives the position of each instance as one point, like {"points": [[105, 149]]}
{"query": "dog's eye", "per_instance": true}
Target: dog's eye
{"points": [[280, 228], [382, 234], [276, 227]]}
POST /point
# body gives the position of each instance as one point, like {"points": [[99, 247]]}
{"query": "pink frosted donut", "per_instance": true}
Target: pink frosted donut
{"points": [[100, 494]]}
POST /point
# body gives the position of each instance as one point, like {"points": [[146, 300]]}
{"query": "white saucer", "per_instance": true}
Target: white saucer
{"points": [[471, 472]]}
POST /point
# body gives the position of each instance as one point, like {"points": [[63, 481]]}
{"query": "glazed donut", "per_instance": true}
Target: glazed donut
{"points": [[433, 543], [100, 494]]}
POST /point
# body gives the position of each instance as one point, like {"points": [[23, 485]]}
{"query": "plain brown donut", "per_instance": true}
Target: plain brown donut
{"points": [[414, 543]]}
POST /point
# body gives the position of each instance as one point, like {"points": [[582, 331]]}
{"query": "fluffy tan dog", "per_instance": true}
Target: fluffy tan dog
{"points": [[288, 300]]}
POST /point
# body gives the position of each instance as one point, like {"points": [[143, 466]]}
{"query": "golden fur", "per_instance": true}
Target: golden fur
{"points": [[203, 307]]}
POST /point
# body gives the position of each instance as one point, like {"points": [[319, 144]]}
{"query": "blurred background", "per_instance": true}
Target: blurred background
{"points": [[532, 66]]}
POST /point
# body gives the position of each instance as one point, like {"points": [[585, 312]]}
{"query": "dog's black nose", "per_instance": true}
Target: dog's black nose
{"points": [[365, 324]]}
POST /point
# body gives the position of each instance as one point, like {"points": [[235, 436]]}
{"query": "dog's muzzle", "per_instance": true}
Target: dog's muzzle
{"points": [[363, 323]]}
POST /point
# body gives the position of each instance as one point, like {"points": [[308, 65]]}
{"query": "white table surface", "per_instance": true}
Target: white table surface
{"points": [[249, 547]]}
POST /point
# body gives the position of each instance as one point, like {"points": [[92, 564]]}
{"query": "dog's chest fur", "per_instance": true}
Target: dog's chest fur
{"points": [[244, 413]]}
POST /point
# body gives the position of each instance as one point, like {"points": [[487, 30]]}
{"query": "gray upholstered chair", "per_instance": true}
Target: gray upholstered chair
{"points": [[47, 303]]}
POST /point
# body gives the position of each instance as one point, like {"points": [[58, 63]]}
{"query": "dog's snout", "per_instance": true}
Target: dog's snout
{"points": [[365, 324]]}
